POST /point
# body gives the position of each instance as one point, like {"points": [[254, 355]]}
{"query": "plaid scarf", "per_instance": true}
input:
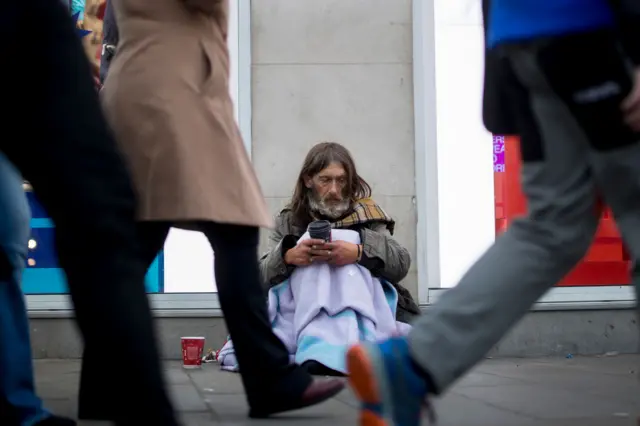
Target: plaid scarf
{"points": [[365, 211]]}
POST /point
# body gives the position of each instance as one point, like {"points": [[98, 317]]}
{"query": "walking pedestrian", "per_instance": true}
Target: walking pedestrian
{"points": [[19, 403], [574, 93], [64, 148], [175, 123]]}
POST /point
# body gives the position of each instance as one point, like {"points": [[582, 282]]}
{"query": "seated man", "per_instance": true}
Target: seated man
{"points": [[329, 188], [326, 296]]}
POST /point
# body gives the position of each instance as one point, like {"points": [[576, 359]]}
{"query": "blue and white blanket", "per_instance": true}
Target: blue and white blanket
{"points": [[322, 310]]}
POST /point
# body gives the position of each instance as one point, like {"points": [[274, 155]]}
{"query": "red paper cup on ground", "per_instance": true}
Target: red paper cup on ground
{"points": [[192, 350]]}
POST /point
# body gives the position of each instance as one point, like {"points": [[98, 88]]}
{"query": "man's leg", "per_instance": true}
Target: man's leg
{"points": [[532, 256], [68, 154], [594, 99], [16, 379], [263, 358], [271, 382], [151, 237]]}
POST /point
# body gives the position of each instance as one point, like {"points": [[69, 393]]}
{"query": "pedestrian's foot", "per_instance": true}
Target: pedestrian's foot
{"points": [[385, 380], [56, 421], [318, 391]]}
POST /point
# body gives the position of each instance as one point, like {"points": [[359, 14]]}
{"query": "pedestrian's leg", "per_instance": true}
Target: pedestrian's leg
{"points": [[72, 161], [619, 177], [16, 378], [615, 159], [635, 278], [263, 358], [595, 99], [534, 254], [272, 383], [153, 235], [94, 370]]}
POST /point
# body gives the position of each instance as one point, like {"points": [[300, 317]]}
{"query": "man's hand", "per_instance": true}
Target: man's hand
{"points": [[342, 253], [631, 105], [305, 253]]}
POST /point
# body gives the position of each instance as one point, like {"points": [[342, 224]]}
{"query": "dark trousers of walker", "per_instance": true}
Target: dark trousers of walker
{"points": [[271, 382], [54, 132]]}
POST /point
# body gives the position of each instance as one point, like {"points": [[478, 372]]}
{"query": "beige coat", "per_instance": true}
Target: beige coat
{"points": [[167, 98]]}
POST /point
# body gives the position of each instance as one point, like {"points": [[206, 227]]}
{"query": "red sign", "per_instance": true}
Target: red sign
{"points": [[605, 264]]}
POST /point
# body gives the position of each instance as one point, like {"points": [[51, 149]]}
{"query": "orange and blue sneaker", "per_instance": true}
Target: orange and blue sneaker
{"points": [[391, 390]]}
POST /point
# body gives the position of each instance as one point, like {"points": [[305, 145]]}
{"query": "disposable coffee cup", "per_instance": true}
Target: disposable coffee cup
{"points": [[320, 230], [192, 351]]}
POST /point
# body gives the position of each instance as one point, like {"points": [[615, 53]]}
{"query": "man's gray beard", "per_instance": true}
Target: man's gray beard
{"points": [[331, 211]]}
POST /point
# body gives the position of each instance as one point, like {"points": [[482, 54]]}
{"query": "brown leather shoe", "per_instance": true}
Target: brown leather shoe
{"points": [[318, 391]]}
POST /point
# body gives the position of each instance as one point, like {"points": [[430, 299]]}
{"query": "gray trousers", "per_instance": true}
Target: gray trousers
{"points": [[575, 147]]}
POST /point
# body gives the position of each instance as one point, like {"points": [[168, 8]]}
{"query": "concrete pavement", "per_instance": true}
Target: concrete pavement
{"points": [[581, 391]]}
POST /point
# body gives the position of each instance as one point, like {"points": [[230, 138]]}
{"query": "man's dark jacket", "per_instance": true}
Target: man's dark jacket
{"points": [[500, 85], [498, 81]]}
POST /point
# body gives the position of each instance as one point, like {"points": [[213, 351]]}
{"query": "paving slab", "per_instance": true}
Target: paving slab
{"points": [[580, 391]]}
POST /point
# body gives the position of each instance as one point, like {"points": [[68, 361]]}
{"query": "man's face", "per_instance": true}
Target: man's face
{"points": [[328, 191]]}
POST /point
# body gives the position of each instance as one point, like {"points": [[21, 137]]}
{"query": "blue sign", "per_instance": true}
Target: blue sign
{"points": [[43, 274]]}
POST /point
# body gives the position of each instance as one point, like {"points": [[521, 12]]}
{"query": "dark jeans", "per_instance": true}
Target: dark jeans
{"points": [[63, 146], [268, 377], [19, 404]]}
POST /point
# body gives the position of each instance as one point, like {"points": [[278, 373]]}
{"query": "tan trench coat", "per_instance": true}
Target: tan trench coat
{"points": [[167, 99]]}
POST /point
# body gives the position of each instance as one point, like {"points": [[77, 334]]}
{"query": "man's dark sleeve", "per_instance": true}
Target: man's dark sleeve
{"points": [[497, 112], [628, 14], [110, 38]]}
